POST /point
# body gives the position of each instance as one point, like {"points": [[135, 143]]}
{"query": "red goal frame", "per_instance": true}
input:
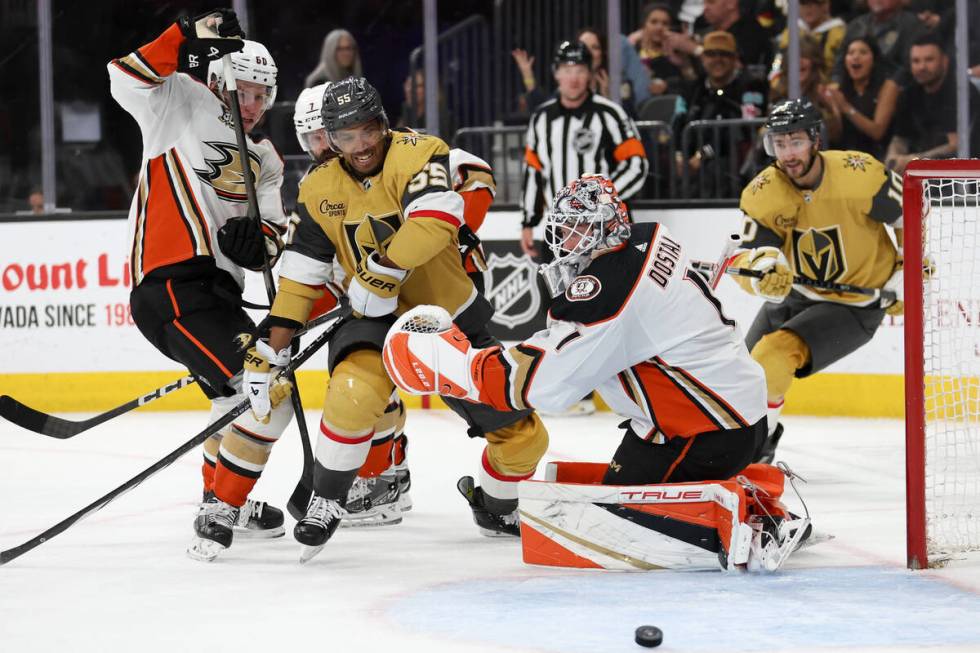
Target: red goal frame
{"points": [[916, 174]]}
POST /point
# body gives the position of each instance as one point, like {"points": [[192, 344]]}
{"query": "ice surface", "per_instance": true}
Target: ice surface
{"points": [[119, 581]]}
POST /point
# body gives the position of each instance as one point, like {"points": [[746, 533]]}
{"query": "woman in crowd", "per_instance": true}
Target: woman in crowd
{"points": [[866, 99], [339, 59], [667, 67]]}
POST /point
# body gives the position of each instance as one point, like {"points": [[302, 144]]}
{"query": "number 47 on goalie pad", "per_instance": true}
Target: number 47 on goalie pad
{"points": [[571, 520]]}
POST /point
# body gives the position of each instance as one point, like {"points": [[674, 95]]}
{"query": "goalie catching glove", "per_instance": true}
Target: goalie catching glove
{"points": [[264, 391], [241, 240], [374, 290], [425, 353], [777, 279]]}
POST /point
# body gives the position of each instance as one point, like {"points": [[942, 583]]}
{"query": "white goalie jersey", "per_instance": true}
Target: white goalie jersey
{"points": [[646, 331], [191, 178]]}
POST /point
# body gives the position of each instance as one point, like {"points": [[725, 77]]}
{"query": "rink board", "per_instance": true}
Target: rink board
{"points": [[69, 343]]}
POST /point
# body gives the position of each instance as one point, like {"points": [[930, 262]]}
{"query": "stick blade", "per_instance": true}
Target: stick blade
{"points": [[34, 420], [300, 497]]}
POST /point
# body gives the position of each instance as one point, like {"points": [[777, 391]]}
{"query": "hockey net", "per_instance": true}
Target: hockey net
{"points": [[942, 360]]}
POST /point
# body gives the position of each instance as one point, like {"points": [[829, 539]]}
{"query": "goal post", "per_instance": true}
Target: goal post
{"points": [[942, 360]]}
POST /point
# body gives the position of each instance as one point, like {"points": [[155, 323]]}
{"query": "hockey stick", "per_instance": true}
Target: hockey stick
{"points": [[61, 429], [300, 497], [166, 461], [734, 240], [886, 295]]}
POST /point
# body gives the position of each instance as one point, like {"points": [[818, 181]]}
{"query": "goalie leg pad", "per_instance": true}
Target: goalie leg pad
{"points": [[780, 354]]}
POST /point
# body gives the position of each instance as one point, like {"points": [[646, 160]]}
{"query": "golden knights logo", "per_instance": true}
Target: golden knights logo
{"points": [[759, 182], [819, 253], [364, 235], [856, 161], [224, 171], [412, 138]]}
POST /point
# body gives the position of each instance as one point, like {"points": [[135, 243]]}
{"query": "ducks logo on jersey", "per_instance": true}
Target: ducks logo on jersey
{"points": [[224, 172]]}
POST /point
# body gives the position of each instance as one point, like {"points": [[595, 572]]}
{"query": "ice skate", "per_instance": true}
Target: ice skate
{"points": [[258, 520], [214, 528], [491, 524], [323, 516], [404, 485], [373, 502]]}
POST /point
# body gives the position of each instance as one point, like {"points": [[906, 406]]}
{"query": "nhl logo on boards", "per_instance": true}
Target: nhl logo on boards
{"points": [[512, 288], [582, 289], [583, 140]]}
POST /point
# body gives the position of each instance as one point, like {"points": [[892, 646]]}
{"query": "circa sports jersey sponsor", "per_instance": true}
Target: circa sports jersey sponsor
{"points": [[333, 209], [583, 288]]}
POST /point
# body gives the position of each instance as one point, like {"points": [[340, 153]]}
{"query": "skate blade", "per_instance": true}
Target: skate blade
{"points": [[486, 532], [258, 533], [372, 521], [204, 550], [404, 502], [308, 553]]}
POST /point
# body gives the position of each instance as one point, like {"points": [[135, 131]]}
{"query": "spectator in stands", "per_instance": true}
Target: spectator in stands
{"points": [[891, 26], [813, 84], [926, 126], [36, 202], [413, 108], [667, 68], [817, 22], [635, 80], [339, 59], [754, 45], [866, 99], [723, 93]]}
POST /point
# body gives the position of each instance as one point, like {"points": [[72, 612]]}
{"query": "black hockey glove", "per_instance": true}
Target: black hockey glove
{"points": [[241, 240], [207, 41]]}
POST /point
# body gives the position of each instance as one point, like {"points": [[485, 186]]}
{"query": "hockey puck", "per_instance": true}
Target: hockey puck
{"points": [[649, 636]]}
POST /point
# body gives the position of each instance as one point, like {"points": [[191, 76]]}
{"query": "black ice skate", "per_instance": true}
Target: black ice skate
{"points": [[491, 524], [213, 527], [322, 518], [404, 476], [373, 501], [259, 520], [767, 453]]}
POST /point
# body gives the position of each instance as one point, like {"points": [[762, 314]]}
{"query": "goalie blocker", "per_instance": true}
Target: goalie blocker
{"points": [[571, 520]]}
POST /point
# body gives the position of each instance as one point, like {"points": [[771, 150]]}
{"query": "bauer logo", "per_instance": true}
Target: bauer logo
{"points": [[512, 288]]}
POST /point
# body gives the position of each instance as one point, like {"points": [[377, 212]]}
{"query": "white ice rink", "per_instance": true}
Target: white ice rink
{"points": [[120, 581]]}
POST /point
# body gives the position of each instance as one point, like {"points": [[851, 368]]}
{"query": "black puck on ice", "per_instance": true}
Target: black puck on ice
{"points": [[649, 636]]}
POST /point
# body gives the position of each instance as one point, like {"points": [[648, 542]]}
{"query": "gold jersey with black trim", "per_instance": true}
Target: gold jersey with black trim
{"points": [[834, 232], [409, 206]]}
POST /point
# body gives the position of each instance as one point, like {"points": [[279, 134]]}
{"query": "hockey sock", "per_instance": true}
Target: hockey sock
{"points": [[780, 353], [773, 409], [497, 484], [211, 447]]}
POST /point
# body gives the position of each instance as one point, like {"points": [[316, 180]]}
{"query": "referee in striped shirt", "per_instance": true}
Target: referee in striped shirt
{"points": [[575, 133]]}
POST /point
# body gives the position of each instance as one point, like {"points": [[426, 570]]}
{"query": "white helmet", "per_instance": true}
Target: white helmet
{"points": [[308, 113], [253, 63]]}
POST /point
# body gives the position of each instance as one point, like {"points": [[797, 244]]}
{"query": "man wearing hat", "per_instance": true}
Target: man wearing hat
{"points": [[723, 92]]}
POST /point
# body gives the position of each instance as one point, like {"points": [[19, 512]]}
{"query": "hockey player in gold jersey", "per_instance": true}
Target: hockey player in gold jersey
{"points": [[820, 215], [386, 210]]}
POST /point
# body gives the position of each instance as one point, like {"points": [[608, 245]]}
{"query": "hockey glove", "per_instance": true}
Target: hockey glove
{"points": [[263, 392], [425, 353], [242, 241], [896, 284], [778, 278], [373, 291], [211, 36]]}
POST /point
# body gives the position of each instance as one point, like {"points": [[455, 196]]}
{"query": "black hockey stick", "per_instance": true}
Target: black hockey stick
{"points": [[59, 428], [887, 295], [166, 461], [300, 497]]}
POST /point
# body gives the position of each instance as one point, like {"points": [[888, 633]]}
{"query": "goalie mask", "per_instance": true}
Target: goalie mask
{"points": [[587, 219], [252, 64]]}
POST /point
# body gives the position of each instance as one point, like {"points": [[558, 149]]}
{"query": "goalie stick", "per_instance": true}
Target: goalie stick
{"points": [[304, 490], [17, 551], [59, 428]]}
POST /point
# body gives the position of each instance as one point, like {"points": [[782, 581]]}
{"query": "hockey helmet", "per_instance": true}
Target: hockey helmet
{"points": [[586, 217], [351, 102], [252, 63], [308, 113], [791, 116], [574, 52]]}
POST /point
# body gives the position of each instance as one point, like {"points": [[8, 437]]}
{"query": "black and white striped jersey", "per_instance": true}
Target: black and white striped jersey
{"points": [[563, 144]]}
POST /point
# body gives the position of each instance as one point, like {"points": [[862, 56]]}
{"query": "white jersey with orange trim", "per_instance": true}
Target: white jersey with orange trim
{"points": [[564, 144], [645, 330], [191, 179]]}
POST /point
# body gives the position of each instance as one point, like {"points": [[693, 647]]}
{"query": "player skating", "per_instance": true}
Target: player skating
{"points": [[191, 241], [387, 211], [823, 216], [629, 318]]}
